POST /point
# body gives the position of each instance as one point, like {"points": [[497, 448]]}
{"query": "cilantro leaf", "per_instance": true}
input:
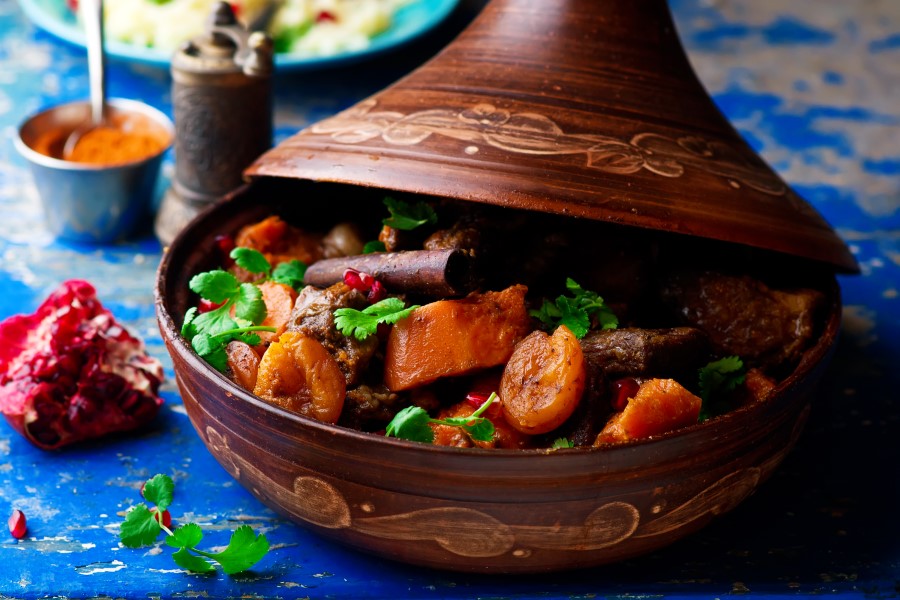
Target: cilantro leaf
{"points": [[578, 311], [186, 536], [562, 443], [250, 260], [717, 378], [244, 550], [159, 490], [184, 559], [406, 216], [188, 329], [139, 528], [216, 286], [290, 273], [249, 304], [481, 431], [411, 423], [362, 324], [213, 322], [212, 350], [573, 316], [374, 246]]}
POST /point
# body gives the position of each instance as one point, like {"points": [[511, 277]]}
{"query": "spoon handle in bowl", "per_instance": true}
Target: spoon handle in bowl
{"points": [[93, 25]]}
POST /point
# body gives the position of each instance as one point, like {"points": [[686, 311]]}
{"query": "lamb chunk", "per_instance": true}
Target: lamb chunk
{"points": [[369, 407], [767, 328], [313, 315], [645, 352], [461, 236]]}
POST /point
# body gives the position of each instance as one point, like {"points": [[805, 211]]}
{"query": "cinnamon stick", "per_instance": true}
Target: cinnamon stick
{"points": [[428, 272]]}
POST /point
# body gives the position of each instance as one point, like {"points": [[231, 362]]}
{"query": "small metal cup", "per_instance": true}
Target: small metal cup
{"points": [[90, 203]]}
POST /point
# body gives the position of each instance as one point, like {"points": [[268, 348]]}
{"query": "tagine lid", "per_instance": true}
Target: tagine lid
{"points": [[583, 108]]}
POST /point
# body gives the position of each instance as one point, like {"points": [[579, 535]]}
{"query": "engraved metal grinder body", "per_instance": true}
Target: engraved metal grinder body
{"points": [[222, 103]]}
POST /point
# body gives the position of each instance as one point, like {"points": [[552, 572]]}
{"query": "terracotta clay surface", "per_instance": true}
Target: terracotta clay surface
{"points": [[581, 108], [472, 509]]}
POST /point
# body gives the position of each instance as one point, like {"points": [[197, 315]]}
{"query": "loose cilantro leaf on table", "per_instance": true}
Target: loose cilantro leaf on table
{"points": [[142, 527], [576, 311], [717, 378], [412, 423], [363, 323], [406, 216]]}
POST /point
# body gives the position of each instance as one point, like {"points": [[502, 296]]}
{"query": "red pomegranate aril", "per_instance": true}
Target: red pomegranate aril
{"points": [[166, 517], [476, 399], [325, 16], [205, 306], [377, 293], [622, 390], [353, 279], [17, 525], [225, 244]]}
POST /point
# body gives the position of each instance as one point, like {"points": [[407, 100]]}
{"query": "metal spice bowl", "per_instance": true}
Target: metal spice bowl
{"points": [[578, 109]]}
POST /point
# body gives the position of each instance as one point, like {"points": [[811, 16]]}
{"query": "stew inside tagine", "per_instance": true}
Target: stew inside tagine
{"points": [[470, 325]]}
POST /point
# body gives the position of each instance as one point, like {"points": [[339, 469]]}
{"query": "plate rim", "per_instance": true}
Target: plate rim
{"points": [[435, 13]]}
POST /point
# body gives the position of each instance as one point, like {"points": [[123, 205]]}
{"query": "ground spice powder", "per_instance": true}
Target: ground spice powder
{"points": [[124, 138]]}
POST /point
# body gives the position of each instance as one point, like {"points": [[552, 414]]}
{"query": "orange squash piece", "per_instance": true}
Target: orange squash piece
{"points": [[660, 405], [454, 337], [279, 299]]}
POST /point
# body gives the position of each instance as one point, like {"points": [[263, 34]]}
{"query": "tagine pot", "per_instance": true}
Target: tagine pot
{"points": [[576, 108]]}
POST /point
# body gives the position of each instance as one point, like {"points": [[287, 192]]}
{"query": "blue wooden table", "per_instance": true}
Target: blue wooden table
{"points": [[815, 87]]}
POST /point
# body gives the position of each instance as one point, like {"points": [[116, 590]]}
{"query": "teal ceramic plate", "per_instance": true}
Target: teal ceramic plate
{"points": [[411, 21]]}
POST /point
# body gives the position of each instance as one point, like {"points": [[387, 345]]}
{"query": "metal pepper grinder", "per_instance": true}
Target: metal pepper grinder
{"points": [[222, 103]]}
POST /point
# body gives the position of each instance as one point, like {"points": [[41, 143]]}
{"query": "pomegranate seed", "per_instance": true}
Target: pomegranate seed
{"points": [[17, 526], [166, 517], [623, 389], [205, 305], [325, 16], [377, 293], [354, 279], [476, 399], [225, 244]]}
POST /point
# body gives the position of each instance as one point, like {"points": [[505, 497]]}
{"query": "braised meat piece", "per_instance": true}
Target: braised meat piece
{"points": [[369, 407], [766, 327], [462, 235], [313, 315], [645, 352]]}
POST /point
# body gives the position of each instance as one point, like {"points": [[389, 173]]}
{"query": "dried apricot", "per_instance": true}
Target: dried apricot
{"points": [[297, 373], [543, 381]]}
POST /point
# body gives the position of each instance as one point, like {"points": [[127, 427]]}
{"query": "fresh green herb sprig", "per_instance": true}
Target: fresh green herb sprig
{"points": [[143, 525], [412, 423], [210, 332], [363, 323], [562, 442], [576, 311], [406, 216], [716, 379]]}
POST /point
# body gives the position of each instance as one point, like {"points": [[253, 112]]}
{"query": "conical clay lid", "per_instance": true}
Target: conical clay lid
{"points": [[578, 107]]}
